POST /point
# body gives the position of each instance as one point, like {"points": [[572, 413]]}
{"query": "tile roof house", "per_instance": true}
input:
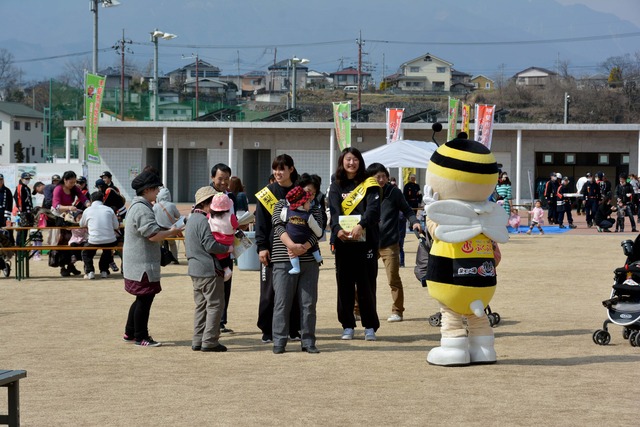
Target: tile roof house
{"points": [[349, 77], [426, 73], [21, 123], [280, 78], [534, 76], [481, 82]]}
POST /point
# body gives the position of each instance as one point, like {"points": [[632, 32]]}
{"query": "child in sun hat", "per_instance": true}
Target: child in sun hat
{"points": [[223, 225], [300, 223]]}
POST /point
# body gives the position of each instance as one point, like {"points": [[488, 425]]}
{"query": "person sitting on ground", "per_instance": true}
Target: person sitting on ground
{"points": [[299, 224], [603, 220], [223, 225], [103, 226]]}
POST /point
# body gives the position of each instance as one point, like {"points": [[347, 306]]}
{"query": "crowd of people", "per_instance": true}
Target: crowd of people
{"points": [[365, 211]]}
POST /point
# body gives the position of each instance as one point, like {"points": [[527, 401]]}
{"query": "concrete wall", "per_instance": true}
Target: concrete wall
{"points": [[127, 147]]}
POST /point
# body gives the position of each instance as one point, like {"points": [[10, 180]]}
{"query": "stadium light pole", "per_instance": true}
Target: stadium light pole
{"points": [[295, 60], [94, 9], [155, 35]]}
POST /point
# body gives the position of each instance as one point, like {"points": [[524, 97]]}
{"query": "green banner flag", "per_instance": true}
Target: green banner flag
{"points": [[342, 120], [453, 118], [94, 88]]}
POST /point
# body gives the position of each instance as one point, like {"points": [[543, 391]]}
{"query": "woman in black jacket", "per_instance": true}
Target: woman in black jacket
{"points": [[354, 205], [603, 222]]}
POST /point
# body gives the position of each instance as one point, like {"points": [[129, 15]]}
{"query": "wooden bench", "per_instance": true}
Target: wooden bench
{"points": [[11, 380], [22, 258]]}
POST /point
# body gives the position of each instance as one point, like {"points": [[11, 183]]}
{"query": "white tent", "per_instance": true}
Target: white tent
{"points": [[401, 154]]}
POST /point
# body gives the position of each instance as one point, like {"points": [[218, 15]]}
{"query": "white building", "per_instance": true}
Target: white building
{"points": [[21, 123]]}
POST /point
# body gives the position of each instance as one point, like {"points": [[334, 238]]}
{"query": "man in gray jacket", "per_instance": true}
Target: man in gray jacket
{"points": [[206, 275], [393, 202]]}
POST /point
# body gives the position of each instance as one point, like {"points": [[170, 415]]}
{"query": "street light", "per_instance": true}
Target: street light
{"points": [[294, 61], [567, 101], [94, 9], [155, 35]]}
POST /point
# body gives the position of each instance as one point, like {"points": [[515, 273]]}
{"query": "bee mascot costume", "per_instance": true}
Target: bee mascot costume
{"points": [[461, 275]]}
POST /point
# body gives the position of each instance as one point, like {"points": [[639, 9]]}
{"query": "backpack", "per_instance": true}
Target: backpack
{"points": [[422, 257]]}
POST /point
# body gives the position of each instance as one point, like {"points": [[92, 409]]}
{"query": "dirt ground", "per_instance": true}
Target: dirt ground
{"points": [[66, 332]]}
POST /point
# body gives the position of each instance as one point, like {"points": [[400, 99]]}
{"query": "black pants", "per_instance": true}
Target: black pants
{"points": [[552, 213], [357, 271], [227, 292], [138, 319], [105, 259], [265, 309]]}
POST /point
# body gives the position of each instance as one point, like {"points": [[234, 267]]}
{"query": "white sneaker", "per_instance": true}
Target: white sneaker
{"points": [[104, 274], [347, 334], [369, 334], [90, 276], [394, 318]]}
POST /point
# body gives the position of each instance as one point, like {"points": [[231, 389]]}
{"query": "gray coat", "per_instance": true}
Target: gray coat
{"points": [[199, 244], [139, 254]]}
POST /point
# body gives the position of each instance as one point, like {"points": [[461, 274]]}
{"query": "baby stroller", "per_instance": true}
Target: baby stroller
{"points": [[623, 308], [5, 256], [420, 271]]}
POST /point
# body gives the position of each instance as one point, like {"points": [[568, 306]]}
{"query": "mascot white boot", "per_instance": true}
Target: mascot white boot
{"points": [[465, 226]]}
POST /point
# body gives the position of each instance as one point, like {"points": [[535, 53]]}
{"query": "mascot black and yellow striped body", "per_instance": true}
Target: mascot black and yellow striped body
{"points": [[462, 272]]}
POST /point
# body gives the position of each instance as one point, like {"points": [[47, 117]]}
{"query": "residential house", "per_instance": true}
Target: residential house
{"points": [[21, 123], [179, 77], [349, 77], [280, 76], [481, 82], [251, 83], [426, 73], [534, 76], [460, 82], [113, 87], [319, 80]]}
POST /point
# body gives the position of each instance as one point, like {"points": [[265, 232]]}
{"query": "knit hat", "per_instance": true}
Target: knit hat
{"points": [[298, 197], [221, 203], [145, 180], [204, 193]]}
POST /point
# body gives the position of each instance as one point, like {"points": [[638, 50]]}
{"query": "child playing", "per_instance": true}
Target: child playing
{"points": [[300, 223], [537, 217], [620, 216], [514, 220], [223, 225], [79, 236]]}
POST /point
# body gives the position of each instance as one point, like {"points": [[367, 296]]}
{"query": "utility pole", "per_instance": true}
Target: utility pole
{"points": [[196, 56], [120, 46], [384, 78], [239, 83], [360, 43], [567, 101]]}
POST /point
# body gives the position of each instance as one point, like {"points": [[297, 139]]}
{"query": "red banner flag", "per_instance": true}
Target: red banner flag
{"points": [[394, 123], [484, 124]]}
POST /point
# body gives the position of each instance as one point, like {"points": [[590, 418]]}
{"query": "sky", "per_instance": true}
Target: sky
{"points": [[246, 35]]}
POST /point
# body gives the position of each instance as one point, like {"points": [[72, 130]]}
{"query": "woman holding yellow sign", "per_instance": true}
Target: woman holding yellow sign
{"points": [[354, 203]]}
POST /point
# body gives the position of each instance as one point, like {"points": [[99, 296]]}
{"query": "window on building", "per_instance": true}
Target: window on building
{"points": [[414, 69], [36, 125], [0, 124], [16, 125], [427, 58], [487, 85], [441, 69], [0, 150], [27, 125], [33, 151], [438, 86]]}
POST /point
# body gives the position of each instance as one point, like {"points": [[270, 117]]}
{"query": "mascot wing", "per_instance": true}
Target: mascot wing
{"points": [[459, 221]]}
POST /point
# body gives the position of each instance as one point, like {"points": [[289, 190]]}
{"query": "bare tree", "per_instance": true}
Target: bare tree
{"points": [[74, 72], [9, 74]]}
